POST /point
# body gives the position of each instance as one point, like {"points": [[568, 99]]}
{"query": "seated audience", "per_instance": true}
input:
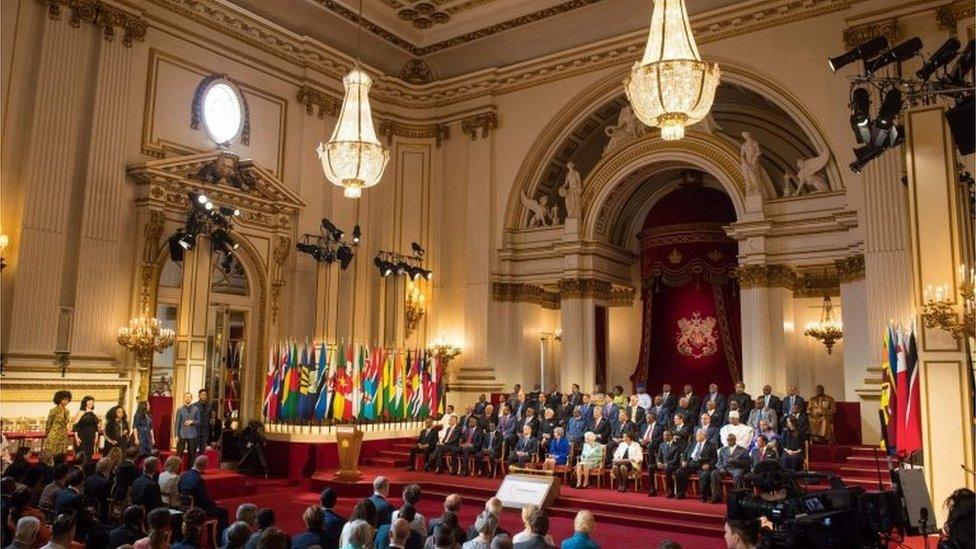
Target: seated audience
{"points": [[192, 484], [313, 535], [491, 449], [246, 513], [381, 491], [650, 435], [450, 439], [627, 457], [424, 446], [411, 495], [25, 534], [19, 506], [237, 534], [558, 451], [159, 531], [698, 458], [536, 535], [97, 489], [526, 447], [741, 534], [169, 481], [508, 426], [492, 505], [275, 538], [145, 489], [397, 535], [582, 528], [46, 501], [332, 522], [763, 451], [363, 513], [130, 530], [452, 505], [734, 461], [470, 444], [591, 457], [265, 519], [70, 500], [412, 540], [792, 445], [62, 532], [667, 461], [486, 524], [126, 473]]}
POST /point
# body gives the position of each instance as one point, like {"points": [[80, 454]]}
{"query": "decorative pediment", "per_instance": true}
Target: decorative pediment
{"points": [[221, 175]]}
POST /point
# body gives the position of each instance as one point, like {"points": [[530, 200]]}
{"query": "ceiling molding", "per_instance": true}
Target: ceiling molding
{"points": [[615, 52]]}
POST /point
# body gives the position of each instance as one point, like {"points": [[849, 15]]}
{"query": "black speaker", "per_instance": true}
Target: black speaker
{"points": [[960, 119], [921, 519]]}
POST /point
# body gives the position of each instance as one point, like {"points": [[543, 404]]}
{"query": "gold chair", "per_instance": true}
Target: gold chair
{"points": [[635, 474]]}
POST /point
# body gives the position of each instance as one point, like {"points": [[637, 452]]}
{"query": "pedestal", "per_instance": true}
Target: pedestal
{"points": [[349, 442]]}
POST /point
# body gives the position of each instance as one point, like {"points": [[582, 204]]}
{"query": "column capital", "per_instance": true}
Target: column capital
{"points": [[850, 269], [104, 16], [483, 123], [766, 276], [863, 32], [318, 101], [437, 132]]}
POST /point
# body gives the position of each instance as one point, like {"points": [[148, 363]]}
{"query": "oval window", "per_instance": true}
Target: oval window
{"points": [[222, 113]]}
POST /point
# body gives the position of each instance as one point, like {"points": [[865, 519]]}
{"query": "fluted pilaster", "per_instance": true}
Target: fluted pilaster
{"points": [[101, 293], [49, 181]]}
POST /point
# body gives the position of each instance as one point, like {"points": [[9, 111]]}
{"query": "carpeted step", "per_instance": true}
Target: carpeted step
{"points": [[394, 454], [381, 461], [638, 521]]}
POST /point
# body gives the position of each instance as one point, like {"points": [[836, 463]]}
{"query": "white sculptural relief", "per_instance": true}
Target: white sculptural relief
{"points": [[539, 211], [806, 180], [571, 190], [627, 128], [756, 178]]}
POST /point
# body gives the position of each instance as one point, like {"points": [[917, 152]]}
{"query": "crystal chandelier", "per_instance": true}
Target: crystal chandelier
{"points": [[354, 158], [671, 87], [144, 336], [828, 330]]}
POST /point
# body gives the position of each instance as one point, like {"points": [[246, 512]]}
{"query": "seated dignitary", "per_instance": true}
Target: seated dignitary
{"points": [[699, 458], [424, 446]]}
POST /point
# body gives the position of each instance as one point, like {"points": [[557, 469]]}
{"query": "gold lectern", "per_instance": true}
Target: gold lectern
{"points": [[349, 440]]}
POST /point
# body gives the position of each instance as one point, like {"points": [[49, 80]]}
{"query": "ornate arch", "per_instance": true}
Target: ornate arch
{"points": [[547, 144]]}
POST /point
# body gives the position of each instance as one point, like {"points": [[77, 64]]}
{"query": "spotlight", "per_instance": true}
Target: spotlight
{"points": [[357, 234], [310, 249], [859, 53], [200, 198], [208, 206], [963, 66], [324, 256], [385, 267], [901, 52], [413, 273], [939, 59], [223, 241], [187, 241], [427, 275], [864, 155], [402, 267], [417, 249], [175, 247], [229, 211], [344, 254], [332, 229], [860, 118], [889, 109]]}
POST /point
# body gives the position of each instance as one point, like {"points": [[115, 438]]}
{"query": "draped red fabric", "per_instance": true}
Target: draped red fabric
{"points": [[690, 331]]}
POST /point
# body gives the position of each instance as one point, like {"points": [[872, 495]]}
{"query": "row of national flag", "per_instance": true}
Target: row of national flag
{"points": [[349, 382], [900, 398]]}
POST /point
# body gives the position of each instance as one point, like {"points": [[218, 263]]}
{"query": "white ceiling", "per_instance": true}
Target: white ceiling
{"points": [[460, 36]]}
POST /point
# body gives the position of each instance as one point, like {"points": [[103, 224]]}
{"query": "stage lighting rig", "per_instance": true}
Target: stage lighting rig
{"points": [[205, 218], [330, 245], [933, 82], [411, 266]]}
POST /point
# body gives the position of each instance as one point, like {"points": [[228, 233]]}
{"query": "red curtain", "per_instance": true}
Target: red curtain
{"points": [[691, 330]]}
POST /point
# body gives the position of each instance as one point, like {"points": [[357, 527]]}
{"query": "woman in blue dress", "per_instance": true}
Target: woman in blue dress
{"points": [[142, 423], [558, 448]]}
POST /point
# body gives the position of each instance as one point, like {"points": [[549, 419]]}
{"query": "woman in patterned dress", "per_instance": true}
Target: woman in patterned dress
{"points": [[56, 428], [142, 423]]}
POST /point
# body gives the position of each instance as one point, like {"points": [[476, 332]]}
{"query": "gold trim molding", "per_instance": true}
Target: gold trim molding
{"points": [[569, 288], [482, 123], [850, 269], [520, 292], [28, 391], [103, 16], [583, 288], [950, 15], [866, 31], [437, 132], [766, 276], [817, 285], [318, 101]]}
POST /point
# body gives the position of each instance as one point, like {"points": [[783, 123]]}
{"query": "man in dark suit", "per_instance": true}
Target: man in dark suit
{"points": [[131, 528], [468, 415], [521, 407], [69, 500], [513, 397], [192, 484], [98, 489], [450, 438], [698, 458], [491, 448], [471, 441], [763, 451], [733, 460], [681, 430], [564, 411], [539, 526], [332, 523], [488, 415], [650, 436], [479, 407], [601, 426], [526, 447], [668, 399], [425, 444], [575, 397], [313, 536], [126, 474], [694, 402], [586, 410], [617, 430], [714, 396], [668, 460], [683, 411], [770, 400], [553, 397], [791, 399], [534, 397], [660, 411], [715, 417], [530, 420], [711, 431], [741, 397], [635, 412], [381, 491], [508, 426], [145, 489]]}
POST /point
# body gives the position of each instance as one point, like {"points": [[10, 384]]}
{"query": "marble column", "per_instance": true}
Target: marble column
{"points": [[190, 362], [477, 289], [946, 403], [766, 301], [100, 300], [578, 342], [858, 355], [44, 278]]}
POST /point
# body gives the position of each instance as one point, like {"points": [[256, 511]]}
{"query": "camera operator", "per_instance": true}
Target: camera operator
{"points": [[958, 528], [252, 453], [774, 504]]}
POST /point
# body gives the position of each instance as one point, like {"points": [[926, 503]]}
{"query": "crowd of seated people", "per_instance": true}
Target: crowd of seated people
{"points": [[712, 436]]}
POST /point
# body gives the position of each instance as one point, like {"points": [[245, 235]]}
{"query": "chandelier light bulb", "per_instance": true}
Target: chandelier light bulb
{"points": [[671, 87], [354, 158]]}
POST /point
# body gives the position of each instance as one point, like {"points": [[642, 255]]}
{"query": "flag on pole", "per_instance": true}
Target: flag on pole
{"points": [[370, 383], [399, 385], [416, 385], [270, 409], [357, 383], [342, 388], [386, 383], [427, 381], [901, 386], [322, 383], [910, 429], [434, 399], [306, 382], [892, 394], [286, 385]]}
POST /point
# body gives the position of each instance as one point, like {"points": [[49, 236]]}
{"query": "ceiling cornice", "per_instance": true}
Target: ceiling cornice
{"points": [[620, 51]]}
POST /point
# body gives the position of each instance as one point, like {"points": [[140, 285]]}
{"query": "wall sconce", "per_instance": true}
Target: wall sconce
{"points": [[938, 311], [558, 334], [414, 308], [4, 241]]}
